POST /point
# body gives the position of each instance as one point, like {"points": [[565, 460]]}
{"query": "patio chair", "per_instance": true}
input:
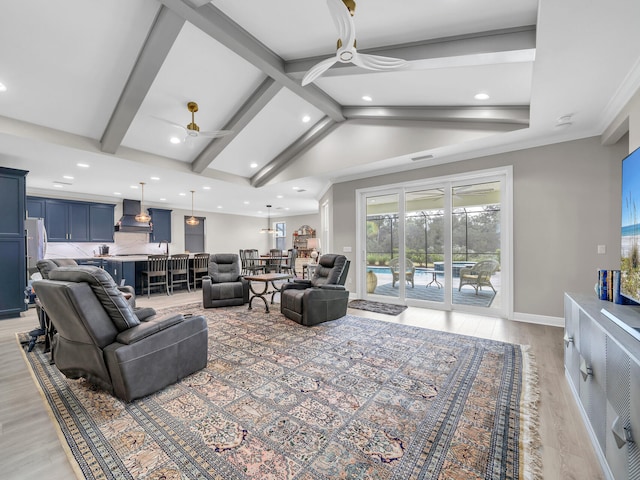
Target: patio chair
{"points": [[479, 275], [410, 271]]}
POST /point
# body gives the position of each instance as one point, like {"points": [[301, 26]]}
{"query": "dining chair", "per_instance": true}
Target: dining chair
{"points": [[155, 274], [199, 268], [179, 270], [274, 262], [289, 265], [252, 262]]}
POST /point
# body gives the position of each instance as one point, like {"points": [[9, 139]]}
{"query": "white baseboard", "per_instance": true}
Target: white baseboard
{"points": [[538, 319]]}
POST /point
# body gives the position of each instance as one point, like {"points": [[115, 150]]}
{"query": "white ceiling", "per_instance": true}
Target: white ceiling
{"points": [[101, 82]]}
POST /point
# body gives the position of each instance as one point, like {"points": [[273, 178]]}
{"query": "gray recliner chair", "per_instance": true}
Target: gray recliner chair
{"points": [[224, 285], [47, 264], [99, 336], [320, 299]]}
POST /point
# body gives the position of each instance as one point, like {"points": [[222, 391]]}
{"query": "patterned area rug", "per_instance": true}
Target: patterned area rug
{"points": [[377, 307], [350, 399]]}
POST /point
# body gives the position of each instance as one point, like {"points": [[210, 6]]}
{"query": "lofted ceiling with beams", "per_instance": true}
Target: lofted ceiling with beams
{"points": [[106, 84]]}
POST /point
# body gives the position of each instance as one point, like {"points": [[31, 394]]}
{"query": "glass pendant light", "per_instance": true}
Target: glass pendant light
{"points": [[193, 221], [142, 217]]}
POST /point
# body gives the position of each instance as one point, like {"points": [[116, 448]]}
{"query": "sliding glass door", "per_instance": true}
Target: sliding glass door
{"points": [[439, 245], [382, 244]]}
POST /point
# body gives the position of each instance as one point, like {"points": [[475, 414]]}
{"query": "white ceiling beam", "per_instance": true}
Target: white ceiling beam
{"points": [[160, 39], [312, 136], [483, 48], [256, 102], [225, 31], [510, 114]]}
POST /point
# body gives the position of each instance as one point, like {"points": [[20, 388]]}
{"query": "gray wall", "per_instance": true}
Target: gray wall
{"points": [[566, 202]]}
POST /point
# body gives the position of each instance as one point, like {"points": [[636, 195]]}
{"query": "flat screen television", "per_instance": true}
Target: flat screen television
{"points": [[630, 232]]}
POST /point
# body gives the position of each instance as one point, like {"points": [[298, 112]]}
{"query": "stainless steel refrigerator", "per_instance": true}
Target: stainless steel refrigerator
{"points": [[36, 243]]}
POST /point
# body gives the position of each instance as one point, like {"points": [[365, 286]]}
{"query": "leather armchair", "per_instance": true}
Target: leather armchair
{"points": [[224, 285], [47, 264], [99, 336], [320, 299]]}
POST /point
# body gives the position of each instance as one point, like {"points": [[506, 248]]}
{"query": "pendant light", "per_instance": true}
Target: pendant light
{"points": [[142, 217], [193, 221], [268, 229]]}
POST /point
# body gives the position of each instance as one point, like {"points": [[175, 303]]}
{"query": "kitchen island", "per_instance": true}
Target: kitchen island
{"points": [[125, 269]]}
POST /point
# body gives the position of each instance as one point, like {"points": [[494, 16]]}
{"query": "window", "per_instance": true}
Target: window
{"points": [[281, 236]]}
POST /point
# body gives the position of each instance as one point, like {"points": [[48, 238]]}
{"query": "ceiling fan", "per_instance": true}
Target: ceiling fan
{"points": [[342, 12], [192, 130]]}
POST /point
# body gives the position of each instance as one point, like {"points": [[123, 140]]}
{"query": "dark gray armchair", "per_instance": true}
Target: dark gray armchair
{"points": [[100, 337], [224, 285], [320, 299]]}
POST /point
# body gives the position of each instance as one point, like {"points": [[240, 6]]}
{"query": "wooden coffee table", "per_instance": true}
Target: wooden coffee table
{"points": [[265, 278]]}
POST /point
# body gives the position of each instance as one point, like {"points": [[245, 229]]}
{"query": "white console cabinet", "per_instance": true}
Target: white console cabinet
{"points": [[602, 365]]}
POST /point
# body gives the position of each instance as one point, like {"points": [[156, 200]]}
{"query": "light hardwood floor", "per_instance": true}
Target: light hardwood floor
{"points": [[30, 448]]}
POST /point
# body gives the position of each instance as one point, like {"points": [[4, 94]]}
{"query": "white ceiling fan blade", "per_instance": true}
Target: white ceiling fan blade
{"points": [[343, 21], [184, 129], [214, 134], [377, 62], [317, 70]]}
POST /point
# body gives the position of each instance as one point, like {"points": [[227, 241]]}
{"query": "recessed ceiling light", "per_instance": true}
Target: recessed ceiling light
{"points": [[175, 140], [182, 194], [57, 185], [296, 188], [3, 87], [279, 196], [83, 165], [481, 96], [133, 186], [163, 199], [219, 206], [117, 193], [286, 208], [306, 119], [206, 188], [246, 202], [68, 177], [155, 178], [367, 98], [253, 165]]}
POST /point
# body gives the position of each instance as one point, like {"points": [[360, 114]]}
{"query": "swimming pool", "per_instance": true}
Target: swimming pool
{"points": [[382, 270]]}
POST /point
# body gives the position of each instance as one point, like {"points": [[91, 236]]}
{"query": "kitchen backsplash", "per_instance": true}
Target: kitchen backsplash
{"points": [[124, 244]]}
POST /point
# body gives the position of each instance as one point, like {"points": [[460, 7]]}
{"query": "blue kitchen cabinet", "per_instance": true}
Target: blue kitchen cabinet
{"points": [[35, 207], [13, 254], [101, 223], [67, 221], [73, 221]]}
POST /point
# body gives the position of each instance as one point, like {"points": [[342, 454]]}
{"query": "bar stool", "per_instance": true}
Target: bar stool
{"points": [[179, 270], [199, 268], [156, 269]]}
